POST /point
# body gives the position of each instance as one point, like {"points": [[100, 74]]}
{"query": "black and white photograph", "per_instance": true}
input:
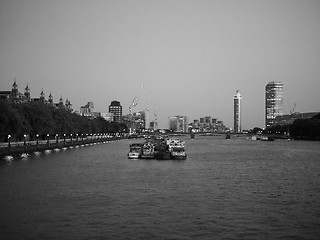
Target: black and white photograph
{"points": [[160, 119]]}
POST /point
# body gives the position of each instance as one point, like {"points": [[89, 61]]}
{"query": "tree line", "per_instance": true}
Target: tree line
{"points": [[304, 129], [32, 118]]}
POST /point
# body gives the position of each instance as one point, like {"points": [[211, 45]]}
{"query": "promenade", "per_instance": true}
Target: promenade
{"points": [[16, 148]]}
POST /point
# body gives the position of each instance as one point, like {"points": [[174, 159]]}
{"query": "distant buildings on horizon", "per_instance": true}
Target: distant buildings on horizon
{"points": [[208, 124], [140, 120]]}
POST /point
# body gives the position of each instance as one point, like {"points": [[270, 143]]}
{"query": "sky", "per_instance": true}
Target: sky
{"points": [[178, 57]]}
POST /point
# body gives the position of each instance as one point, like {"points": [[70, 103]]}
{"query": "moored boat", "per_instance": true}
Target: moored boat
{"points": [[135, 151], [162, 151], [178, 153], [147, 151]]}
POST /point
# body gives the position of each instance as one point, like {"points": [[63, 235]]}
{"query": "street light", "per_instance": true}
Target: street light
{"points": [[48, 138], [24, 139], [9, 140], [37, 139], [57, 135], [64, 138]]}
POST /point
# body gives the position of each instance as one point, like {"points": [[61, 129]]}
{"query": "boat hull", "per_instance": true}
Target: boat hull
{"points": [[166, 155], [133, 155], [147, 156]]}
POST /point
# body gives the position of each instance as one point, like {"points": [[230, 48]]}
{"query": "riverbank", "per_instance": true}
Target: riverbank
{"points": [[17, 149]]}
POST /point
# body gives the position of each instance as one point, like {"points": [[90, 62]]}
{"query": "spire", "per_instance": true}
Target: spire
{"points": [[68, 105], [14, 91], [42, 96], [14, 85], [27, 92], [27, 89], [50, 98], [60, 101]]}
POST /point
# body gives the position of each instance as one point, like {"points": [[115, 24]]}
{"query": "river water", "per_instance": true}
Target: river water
{"points": [[226, 189]]}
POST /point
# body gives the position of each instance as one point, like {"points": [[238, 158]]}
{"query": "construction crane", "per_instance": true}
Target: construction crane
{"points": [[133, 104], [292, 110]]}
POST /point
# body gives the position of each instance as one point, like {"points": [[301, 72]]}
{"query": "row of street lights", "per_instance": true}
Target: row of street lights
{"points": [[77, 136]]}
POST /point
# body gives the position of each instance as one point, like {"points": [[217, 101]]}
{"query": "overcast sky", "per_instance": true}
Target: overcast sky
{"points": [[178, 57]]}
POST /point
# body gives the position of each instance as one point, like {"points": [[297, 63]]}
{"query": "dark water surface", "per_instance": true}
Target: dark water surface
{"points": [[226, 189]]}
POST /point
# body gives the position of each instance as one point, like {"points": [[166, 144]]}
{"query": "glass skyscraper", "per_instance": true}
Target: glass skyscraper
{"points": [[237, 112], [274, 102]]}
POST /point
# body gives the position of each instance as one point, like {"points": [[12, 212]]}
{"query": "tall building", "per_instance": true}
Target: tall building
{"points": [[237, 121], [87, 110], [274, 102], [116, 109], [178, 124]]}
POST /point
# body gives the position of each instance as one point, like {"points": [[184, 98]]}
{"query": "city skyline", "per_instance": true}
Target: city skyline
{"points": [[176, 57]]}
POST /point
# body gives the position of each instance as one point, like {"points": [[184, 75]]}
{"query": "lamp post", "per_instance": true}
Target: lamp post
{"points": [[9, 140], [48, 138], [77, 137], [24, 139], [57, 138], [71, 136], [64, 138], [37, 139]]}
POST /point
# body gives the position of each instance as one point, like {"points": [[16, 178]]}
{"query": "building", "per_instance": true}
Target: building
{"points": [[87, 110], [208, 124], [178, 124], [107, 116], [237, 118], [290, 118], [274, 102], [15, 96], [154, 125], [116, 109]]}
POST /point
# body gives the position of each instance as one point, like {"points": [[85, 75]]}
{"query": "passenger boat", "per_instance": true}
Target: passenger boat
{"points": [[192, 135], [148, 151], [160, 149], [163, 155], [135, 151], [162, 152], [178, 153]]}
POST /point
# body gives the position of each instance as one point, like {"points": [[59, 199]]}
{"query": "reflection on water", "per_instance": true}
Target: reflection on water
{"points": [[226, 189]]}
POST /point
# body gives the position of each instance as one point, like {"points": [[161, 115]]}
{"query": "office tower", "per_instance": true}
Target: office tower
{"points": [[178, 124], [87, 110], [116, 109], [274, 102], [237, 112]]}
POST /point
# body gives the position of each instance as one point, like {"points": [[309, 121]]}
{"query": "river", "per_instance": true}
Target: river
{"points": [[226, 189]]}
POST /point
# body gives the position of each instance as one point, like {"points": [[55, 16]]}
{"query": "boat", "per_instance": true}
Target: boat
{"points": [[192, 135], [171, 148], [135, 151], [266, 138], [162, 151], [148, 151], [178, 153]]}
